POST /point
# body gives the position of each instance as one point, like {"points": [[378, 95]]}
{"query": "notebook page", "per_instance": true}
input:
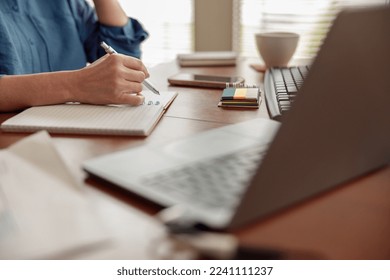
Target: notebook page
{"points": [[93, 119]]}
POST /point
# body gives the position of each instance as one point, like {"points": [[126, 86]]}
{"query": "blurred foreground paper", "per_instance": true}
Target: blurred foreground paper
{"points": [[44, 212]]}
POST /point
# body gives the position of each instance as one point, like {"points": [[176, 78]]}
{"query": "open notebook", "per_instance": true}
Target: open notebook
{"points": [[93, 119]]}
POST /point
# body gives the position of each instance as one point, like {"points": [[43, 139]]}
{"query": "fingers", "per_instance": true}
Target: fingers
{"points": [[131, 99], [128, 68], [133, 75], [113, 79], [134, 64]]}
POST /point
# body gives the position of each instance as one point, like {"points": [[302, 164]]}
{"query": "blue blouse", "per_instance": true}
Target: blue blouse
{"points": [[52, 35]]}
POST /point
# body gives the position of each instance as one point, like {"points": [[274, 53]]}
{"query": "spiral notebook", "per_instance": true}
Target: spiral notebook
{"points": [[78, 118]]}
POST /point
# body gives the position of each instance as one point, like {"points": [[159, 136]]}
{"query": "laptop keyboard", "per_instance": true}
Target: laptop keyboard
{"points": [[216, 183], [281, 87]]}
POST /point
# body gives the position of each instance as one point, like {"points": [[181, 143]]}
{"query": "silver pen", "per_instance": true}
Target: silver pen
{"points": [[146, 83]]}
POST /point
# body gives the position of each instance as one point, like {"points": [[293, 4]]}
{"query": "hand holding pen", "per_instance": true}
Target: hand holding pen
{"points": [[112, 79], [146, 83]]}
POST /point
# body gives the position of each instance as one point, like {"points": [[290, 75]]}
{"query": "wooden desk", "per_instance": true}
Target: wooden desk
{"points": [[349, 222]]}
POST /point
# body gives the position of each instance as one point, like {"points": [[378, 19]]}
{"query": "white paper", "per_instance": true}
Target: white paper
{"points": [[44, 212]]}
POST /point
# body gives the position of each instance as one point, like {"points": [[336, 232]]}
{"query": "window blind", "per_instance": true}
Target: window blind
{"points": [[310, 18], [169, 23]]}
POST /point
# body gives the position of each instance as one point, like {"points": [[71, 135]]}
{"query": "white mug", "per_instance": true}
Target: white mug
{"points": [[276, 48]]}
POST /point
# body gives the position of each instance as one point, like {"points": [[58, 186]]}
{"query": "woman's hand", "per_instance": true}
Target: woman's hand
{"points": [[113, 79]]}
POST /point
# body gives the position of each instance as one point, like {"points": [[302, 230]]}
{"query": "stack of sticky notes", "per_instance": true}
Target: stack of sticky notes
{"points": [[240, 97]]}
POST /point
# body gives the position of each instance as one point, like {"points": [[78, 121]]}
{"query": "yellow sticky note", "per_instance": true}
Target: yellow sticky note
{"points": [[240, 93]]}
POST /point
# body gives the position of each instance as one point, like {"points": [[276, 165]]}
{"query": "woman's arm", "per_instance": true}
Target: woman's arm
{"points": [[110, 13], [21, 91], [113, 79]]}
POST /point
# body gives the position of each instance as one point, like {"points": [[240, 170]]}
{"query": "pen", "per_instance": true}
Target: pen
{"points": [[146, 83]]}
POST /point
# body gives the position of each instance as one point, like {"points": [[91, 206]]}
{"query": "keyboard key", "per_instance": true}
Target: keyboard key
{"points": [[292, 89], [283, 97]]}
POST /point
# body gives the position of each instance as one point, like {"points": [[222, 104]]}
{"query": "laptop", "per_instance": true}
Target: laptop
{"points": [[337, 129]]}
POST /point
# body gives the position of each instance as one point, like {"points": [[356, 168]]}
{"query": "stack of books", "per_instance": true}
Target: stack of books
{"points": [[241, 96]]}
